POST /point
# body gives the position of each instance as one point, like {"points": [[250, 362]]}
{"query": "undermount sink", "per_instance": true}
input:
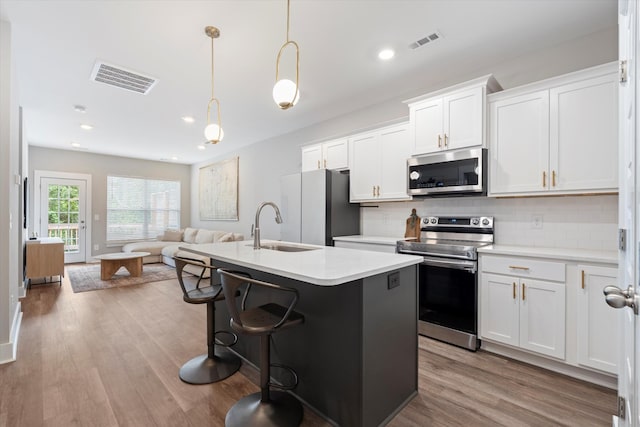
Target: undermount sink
{"points": [[283, 247]]}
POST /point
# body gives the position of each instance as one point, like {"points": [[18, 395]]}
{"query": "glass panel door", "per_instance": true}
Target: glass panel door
{"points": [[63, 215]]}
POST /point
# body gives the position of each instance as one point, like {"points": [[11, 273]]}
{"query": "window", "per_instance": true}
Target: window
{"points": [[141, 209]]}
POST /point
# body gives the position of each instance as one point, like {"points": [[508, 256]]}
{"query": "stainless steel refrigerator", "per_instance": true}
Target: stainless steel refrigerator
{"points": [[315, 207]]}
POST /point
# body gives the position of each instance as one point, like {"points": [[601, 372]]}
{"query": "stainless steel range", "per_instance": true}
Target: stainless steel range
{"points": [[448, 279]]}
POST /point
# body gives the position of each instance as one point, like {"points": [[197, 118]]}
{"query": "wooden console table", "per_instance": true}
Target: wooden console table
{"points": [[45, 258]]}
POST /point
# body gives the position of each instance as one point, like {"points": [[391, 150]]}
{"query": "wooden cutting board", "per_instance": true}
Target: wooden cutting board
{"points": [[413, 226]]}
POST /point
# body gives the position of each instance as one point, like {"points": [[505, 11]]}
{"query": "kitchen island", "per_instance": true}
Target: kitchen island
{"points": [[356, 355]]}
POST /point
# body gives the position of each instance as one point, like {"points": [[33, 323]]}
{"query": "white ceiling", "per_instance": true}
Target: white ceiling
{"points": [[56, 44]]}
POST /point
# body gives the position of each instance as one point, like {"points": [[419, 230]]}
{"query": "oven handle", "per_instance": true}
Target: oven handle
{"points": [[426, 254], [469, 266]]}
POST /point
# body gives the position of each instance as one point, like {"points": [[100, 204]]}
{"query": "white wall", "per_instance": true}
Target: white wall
{"points": [[262, 164], [99, 166], [10, 221], [585, 222]]}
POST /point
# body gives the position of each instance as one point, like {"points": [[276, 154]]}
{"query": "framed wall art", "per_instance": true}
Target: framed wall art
{"points": [[218, 191]]}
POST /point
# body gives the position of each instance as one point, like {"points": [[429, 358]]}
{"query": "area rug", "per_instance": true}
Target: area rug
{"points": [[86, 277]]}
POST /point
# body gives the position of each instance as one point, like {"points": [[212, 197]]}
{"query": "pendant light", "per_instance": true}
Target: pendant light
{"points": [[285, 92], [213, 132]]}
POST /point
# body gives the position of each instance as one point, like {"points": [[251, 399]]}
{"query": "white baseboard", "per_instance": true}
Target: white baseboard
{"points": [[9, 350], [605, 380]]}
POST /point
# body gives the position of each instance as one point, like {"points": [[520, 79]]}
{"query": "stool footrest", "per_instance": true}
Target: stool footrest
{"points": [[284, 386], [222, 343]]}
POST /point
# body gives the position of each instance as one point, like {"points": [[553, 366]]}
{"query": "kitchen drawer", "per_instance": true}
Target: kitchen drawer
{"points": [[523, 267]]}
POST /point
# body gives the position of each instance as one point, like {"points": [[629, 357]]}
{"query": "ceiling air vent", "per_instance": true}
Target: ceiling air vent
{"points": [[119, 77], [433, 37]]}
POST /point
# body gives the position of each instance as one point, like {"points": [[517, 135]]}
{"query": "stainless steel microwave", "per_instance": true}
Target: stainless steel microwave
{"points": [[454, 173]]}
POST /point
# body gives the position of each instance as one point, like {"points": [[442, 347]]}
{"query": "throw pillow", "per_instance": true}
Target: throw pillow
{"points": [[190, 235], [226, 238], [172, 236]]}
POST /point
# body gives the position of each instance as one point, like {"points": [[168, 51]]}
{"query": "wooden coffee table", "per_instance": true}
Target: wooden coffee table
{"points": [[111, 263]]}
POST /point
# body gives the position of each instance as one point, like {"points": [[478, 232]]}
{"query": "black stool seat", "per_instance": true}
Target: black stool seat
{"points": [[218, 363], [266, 408]]}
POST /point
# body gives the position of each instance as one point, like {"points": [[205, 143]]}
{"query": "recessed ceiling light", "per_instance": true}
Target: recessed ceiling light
{"points": [[188, 119], [80, 108], [75, 144], [201, 147], [86, 127], [386, 54]]}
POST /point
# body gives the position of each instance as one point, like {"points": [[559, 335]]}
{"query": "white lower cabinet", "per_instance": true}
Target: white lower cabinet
{"points": [[525, 313], [597, 323]]}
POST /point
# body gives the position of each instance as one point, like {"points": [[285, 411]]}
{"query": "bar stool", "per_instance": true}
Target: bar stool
{"points": [[218, 363], [265, 408]]}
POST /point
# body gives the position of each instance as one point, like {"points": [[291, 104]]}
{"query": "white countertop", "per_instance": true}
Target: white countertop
{"points": [[325, 266], [564, 254], [376, 240]]}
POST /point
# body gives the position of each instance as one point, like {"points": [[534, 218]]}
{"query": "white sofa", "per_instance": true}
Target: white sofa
{"points": [[166, 247]]}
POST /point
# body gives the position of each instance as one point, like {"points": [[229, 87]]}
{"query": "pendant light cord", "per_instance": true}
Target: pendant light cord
{"points": [[288, 7], [212, 68]]}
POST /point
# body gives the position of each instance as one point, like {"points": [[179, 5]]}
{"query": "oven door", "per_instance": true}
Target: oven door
{"points": [[448, 301]]}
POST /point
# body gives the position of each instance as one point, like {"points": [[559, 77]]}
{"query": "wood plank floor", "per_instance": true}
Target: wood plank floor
{"points": [[111, 358]]}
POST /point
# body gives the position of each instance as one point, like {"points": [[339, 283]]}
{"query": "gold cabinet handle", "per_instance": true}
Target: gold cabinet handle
{"points": [[439, 141], [374, 191], [582, 279], [553, 178], [514, 290], [523, 288], [378, 190], [445, 140], [325, 163], [318, 164], [517, 267], [544, 179]]}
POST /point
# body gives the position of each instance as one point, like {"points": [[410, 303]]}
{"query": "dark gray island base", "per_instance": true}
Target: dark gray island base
{"points": [[356, 355]]}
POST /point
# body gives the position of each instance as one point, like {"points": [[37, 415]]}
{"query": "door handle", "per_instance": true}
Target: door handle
{"points": [[618, 298]]}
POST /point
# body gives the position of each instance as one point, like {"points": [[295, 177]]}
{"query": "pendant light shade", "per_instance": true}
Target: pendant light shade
{"points": [[213, 132], [286, 93]]}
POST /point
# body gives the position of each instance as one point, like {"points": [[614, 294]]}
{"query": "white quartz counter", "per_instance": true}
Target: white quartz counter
{"points": [[579, 255], [376, 240], [324, 266]]}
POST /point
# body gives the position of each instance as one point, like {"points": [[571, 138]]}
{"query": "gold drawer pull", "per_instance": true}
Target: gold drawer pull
{"points": [[445, 140], [514, 290], [582, 279], [523, 288], [325, 163], [318, 164], [439, 141], [544, 179], [553, 178], [516, 267]]}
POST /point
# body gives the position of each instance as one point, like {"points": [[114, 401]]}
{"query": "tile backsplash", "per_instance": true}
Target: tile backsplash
{"points": [[585, 222]]}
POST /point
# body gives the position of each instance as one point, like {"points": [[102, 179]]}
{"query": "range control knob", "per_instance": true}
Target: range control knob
{"points": [[425, 221], [485, 221], [433, 220], [475, 221]]}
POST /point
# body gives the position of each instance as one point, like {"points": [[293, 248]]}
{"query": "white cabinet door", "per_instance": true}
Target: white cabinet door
{"points": [[542, 317], [311, 157], [427, 118], [364, 165], [394, 152], [584, 135], [598, 324], [335, 154], [463, 119], [519, 144], [499, 309]]}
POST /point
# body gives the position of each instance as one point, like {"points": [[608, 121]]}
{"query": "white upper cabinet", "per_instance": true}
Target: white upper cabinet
{"points": [[327, 155], [378, 164], [451, 118], [555, 136]]}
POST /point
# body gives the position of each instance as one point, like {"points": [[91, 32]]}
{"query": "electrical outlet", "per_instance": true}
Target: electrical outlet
{"points": [[96, 247], [393, 280], [536, 222]]}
